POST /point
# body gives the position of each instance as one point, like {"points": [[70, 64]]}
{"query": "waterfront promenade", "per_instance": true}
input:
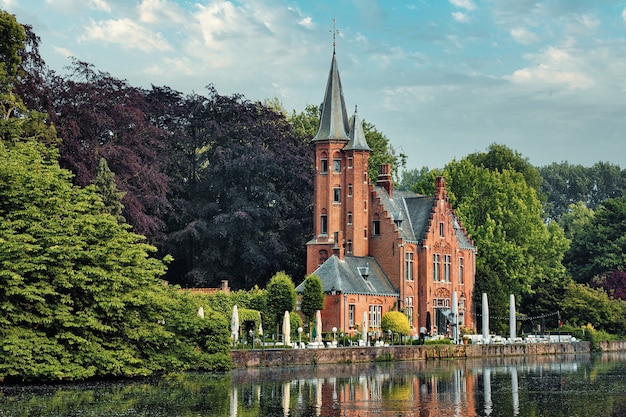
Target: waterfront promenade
{"points": [[287, 357]]}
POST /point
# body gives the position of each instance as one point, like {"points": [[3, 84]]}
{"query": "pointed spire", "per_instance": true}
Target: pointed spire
{"points": [[357, 141], [333, 115]]}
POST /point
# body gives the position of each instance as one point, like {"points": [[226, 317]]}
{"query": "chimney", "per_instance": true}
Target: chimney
{"points": [[384, 178], [440, 189], [338, 249], [224, 286]]}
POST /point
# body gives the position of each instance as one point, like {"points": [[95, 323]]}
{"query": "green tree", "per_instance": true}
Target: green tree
{"points": [[500, 158], [12, 37], [600, 244], [383, 152], [583, 304], [281, 297], [312, 297], [81, 295], [518, 253], [395, 321], [106, 187]]}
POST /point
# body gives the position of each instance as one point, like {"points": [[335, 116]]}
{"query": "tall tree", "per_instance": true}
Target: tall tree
{"points": [[106, 187], [600, 245], [281, 297], [246, 194], [517, 252], [312, 297]]}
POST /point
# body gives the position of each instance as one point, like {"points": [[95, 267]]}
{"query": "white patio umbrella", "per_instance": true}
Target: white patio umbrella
{"points": [[286, 329], [318, 326], [364, 327], [201, 312], [234, 324]]}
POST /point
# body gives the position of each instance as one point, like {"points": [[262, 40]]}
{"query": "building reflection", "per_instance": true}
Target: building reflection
{"points": [[424, 389]]}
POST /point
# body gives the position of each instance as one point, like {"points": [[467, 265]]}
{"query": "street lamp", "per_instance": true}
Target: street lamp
{"points": [[300, 337]]}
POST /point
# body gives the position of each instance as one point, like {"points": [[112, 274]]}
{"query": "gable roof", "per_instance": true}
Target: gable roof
{"points": [[353, 275], [414, 211]]}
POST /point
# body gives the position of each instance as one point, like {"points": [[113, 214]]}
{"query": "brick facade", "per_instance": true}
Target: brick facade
{"points": [[417, 242]]}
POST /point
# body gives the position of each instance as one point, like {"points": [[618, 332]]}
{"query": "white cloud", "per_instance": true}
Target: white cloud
{"points": [[460, 17], [127, 34], [64, 52], [554, 66], [624, 14], [463, 4], [160, 11], [524, 36], [7, 4], [307, 22], [100, 5], [77, 5]]}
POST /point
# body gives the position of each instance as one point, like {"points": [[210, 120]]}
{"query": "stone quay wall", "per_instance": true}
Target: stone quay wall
{"points": [[287, 357]]}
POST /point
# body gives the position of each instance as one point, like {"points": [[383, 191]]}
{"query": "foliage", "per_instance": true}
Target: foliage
{"points": [[80, 294], [281, 297], [243, 195], [518, 253], [614, 284], [565, 184], [500, 158], [107, 189], [383, 152], [395, 321], [13, 38], [584, 305], [600, 244], [312, 297]]}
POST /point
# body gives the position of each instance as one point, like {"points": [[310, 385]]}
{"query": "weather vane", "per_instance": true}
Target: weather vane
{"points": [[335, 31]]}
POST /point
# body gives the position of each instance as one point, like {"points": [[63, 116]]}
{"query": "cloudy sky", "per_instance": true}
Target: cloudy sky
{"points": [[440, 78]]}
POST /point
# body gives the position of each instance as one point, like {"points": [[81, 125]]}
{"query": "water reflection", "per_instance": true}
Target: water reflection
{"points": [[522, 386], [556, 386]]}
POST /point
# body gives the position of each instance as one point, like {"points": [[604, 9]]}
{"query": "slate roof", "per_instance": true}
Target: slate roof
{"points": [[414, 211], [347, 276], [334, 117], [357, 140]]}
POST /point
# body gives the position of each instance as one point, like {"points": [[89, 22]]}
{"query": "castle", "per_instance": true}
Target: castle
{"points": [[376, 249]]}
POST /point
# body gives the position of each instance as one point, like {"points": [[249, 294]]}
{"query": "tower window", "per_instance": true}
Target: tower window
{"points": [[349, 162], [323, 224], [337, 165], [349, 190], [336, 195], [324, 166], [350, 217]]}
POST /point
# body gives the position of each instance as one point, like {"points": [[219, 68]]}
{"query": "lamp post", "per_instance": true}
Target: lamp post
{"points": [[300, 337]]}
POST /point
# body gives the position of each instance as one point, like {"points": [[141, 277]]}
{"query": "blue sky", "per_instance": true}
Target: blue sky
{"points": [[440, 78]]}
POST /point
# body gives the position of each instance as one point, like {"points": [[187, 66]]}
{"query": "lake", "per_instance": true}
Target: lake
{"points": [[554, 386]]}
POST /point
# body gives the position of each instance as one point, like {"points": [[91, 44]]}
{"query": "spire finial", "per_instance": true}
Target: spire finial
{"points": [[335, 31]]}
